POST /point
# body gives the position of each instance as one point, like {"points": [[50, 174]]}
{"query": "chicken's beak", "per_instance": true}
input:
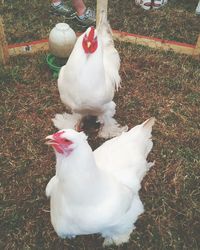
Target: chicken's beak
{"points": [[49, 140], [88, 44]]}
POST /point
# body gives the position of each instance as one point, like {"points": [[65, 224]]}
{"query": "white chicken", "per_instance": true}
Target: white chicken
{"points": [[88, 81], [98, 192]]}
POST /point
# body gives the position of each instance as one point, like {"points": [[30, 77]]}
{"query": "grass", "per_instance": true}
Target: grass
{"points": [[31, 20], [153, 84], [157, 84]]}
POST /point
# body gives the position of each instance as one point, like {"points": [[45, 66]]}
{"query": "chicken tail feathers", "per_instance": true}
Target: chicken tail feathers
{"points": [[141, 134], [148, 124], [112, 59], [104, 28], [102, 19], [147, 129]]}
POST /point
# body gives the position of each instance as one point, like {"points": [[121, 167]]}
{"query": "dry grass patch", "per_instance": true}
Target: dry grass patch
{"points": [[153, 84], [31, 20]]}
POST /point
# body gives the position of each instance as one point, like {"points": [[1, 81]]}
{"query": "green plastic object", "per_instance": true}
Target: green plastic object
{"points": [[55, 64]]}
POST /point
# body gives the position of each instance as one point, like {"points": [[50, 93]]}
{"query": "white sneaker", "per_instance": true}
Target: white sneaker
{"points": [[145, 4], [159, 3], [151, 4], [197, 11]]}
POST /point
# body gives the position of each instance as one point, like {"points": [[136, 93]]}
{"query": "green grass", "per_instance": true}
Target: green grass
{"points": [[31, 20]]}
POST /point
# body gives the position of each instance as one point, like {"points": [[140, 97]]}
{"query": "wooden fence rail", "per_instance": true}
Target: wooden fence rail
{"points": [[42, 45]]}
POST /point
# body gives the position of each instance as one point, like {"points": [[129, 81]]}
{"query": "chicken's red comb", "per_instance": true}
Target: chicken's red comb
{"points": [[91, 33], [58, 134]]}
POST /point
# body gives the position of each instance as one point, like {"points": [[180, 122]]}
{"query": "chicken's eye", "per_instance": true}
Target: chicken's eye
{"points": [[67, 141]]}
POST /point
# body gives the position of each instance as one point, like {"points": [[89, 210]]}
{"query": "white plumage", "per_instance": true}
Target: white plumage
{"points": [[88, 81], [98, 192]]}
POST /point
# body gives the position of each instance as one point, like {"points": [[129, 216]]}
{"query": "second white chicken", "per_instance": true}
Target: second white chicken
{"points": [[88, 81]]}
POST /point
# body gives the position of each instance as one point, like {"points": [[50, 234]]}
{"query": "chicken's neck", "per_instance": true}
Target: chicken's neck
{"points": [[75, 164], [80, 175]]}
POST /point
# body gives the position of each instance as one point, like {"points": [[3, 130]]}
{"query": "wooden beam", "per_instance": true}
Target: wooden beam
{"points": [[157, 43], [28, 48], [101, 5], [4, 54], [197, 48]]}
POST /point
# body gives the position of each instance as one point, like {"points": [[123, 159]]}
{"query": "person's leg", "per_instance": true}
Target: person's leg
{"points": [[79, 6], [56, 2], [58, 7], [85, 16]]}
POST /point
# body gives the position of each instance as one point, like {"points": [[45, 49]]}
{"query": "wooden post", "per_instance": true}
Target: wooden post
{"points": [[101, 5], [197, 48], [4, 55]]}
